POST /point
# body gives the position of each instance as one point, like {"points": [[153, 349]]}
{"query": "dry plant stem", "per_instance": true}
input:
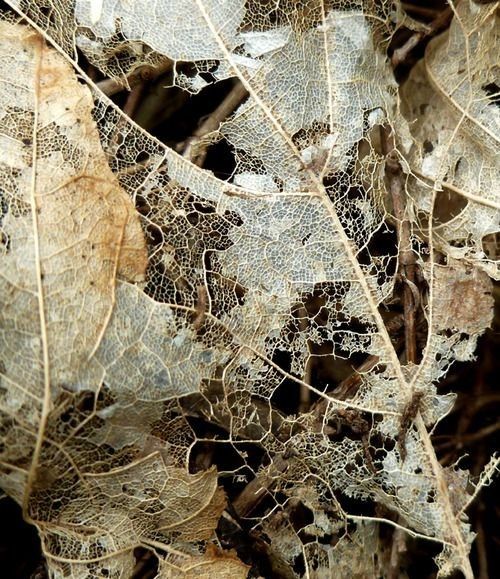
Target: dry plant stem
{"points": [[160, 103], [477, 406], [129, 109], [421, 10], [140, 570], [279, 566], [482, 556], [305, 393], [92, 72], [195, 150], [406, 255], [440, 22], [133, 100], [111, 86], [408, 270], [201, 307], [347, 388], [257, 489], [458, 441], [397, 551], [480, 542]]}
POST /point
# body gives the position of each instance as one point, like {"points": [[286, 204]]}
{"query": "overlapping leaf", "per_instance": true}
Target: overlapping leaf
{"points": [[451, 103], [81, 370]]}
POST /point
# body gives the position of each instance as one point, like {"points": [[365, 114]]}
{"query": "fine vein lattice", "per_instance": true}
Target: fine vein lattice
{"points": [[187, 356]]}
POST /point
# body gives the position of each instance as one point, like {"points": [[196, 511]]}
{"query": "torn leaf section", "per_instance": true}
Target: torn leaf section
{"points": [[68, 229], [118, 510], [454, 120], [214, 563], [461, 311], [323, 87], [92, 444]]}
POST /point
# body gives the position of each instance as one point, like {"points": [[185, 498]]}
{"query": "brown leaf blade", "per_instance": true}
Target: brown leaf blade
{"points": [[69, 233]]}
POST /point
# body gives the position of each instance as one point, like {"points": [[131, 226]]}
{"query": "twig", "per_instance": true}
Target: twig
{"points": [[407, 418], [407, 264], [440, 22], [421, 10], [482, 553], [407, 259], [458, 442], [142, 565], [397, 550], [92, 72], [201, 307], [111, 86], [257, 489], [196, 149], [133, 100]]}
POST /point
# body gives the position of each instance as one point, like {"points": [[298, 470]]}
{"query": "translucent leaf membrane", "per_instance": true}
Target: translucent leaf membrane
{"points": [[215, 563], [244, 277], [80, 366], [357, 554], [451, 103]]}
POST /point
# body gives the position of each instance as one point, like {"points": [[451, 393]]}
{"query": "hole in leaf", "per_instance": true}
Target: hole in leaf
{"points": [[493, 92]]}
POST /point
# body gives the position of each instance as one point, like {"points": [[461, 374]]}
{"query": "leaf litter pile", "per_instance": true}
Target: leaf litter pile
{"points": [[248, 254]]}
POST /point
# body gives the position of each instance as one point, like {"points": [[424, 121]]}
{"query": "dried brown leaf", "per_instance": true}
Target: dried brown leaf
{"points": [[215, 563], [69, 332]]}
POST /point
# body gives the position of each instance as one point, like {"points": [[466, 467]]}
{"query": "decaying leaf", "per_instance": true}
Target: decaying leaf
{"points": [[357, 554], [455, 122], [79, 384], [214, 563], [249, 281]]}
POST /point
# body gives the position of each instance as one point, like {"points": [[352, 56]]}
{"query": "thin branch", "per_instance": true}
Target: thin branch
{"points": [[258, 488], [411, 299], [255, 491], [458, 442], [482, 553], [407, 258], [133, 100], [196, 147], [145, 73], [143, 565], [439, 23], [201, 307]]}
